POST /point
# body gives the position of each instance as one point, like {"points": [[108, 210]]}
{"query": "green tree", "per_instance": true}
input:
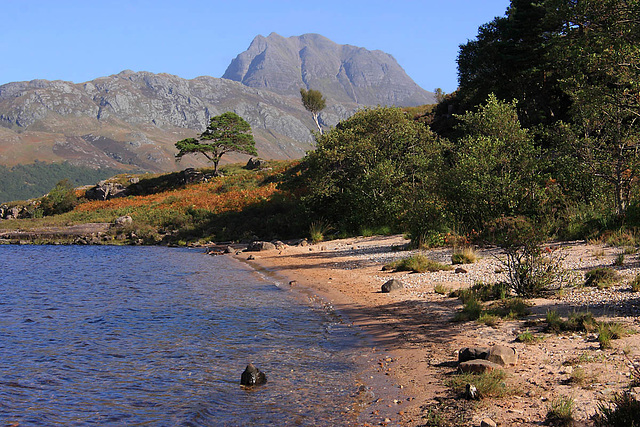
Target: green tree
{"points": [[226, 133], [313, 102], [495, 167], [62, 198], [599, 47], [367, 170]]}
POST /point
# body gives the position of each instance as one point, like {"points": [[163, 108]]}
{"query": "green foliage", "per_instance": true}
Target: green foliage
{"points": [[488, 384], [22, 182], [531, 270], [560, 411], [635, 284], [62, 198], [369, 171], [528, 337], [464, 256], [577, 321], [417, 264], [622, 412], [318, 231], [226, 133], [313, 102], [602, 277]]}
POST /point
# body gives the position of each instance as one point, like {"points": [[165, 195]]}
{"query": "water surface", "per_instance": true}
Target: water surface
{"points": [[95, 335]]}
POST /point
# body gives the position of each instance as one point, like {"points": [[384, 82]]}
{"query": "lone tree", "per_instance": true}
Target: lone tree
{"points": [[226, 133], [314, 103]]}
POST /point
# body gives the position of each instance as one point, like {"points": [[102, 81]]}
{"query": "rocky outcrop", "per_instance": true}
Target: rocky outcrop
{"points": [[132, 120], [497, 354], [343, 73], [105, 190], [260, 246]]}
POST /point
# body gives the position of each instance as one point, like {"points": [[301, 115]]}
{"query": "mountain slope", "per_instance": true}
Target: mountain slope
{"points": [[131, 120], [343, 73]]}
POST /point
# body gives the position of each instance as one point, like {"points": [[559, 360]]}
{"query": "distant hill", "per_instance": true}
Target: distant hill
{"points": [[343, 73], [131, 120]]}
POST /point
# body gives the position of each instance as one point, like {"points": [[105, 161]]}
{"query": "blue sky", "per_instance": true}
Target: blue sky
{"points": [[84, 39]]}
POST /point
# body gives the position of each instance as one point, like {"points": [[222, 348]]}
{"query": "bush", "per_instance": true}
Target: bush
{"points": [[488, 384], [560, 411], [577, 321], [527, 337], [417, 264], [531, 270], [623, 412], [602, 277], [62, 198], [635, 284], [465, 256], [471, 310]]}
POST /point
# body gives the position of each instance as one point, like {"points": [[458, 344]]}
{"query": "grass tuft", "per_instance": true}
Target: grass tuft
{"points": [[602, 277], [417, 264], [488, 384], [560, 411]]}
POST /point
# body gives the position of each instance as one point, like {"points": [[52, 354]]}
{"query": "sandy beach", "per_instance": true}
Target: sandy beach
{"points": [[414, 341]]}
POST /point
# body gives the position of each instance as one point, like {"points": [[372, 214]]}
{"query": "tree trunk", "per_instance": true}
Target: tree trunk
{"points": [[315, 119]]}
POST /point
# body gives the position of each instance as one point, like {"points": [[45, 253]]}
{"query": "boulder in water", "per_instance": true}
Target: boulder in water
{"points": [[252, 376]]}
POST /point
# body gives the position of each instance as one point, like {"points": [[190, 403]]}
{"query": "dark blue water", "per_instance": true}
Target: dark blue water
{"points": [[93, 335]]}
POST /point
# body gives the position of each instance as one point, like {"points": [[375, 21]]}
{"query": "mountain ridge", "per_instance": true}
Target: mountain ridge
{"points": [[132, 119]]}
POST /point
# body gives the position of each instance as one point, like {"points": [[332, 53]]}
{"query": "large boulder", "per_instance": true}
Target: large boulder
{"points": [[477, 366], [106, 190], [253, 164], [260, 246], [503, 355], [472, 353], [192, 176], [391, 285], [252, 376]]}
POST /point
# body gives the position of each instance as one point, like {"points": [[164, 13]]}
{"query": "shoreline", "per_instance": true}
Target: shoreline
{"points": [[416, 343]]}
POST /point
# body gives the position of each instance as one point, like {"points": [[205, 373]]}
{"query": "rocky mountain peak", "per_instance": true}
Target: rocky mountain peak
{"points": [[343, 73]]}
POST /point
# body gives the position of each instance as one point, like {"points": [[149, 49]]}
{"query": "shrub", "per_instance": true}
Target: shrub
{"points": [[578, 376], [510, 308], [62, 198], [488, 384], [530, 269], [560, 411], [602, 277], [622, 412], [471, 310], [581, 321], [635, 284], [483, 291], [489, 319], [318, 231], [417, 264], [441, 289], [527, 337], [465, 256], [619, 261], [554, 322]]}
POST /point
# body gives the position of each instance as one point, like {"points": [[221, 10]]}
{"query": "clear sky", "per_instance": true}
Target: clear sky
{"points": [[79, 40]]}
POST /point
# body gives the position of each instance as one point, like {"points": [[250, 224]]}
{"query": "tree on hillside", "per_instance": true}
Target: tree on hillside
{"points": [[314, 102], [226, 133]]}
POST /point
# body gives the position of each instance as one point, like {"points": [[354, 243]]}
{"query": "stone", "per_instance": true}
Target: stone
{"points": [[250, 258], [228, 250], [503, 355], [123, 221], [192, 176], [460, 270], [253, 164], [391, 285], [477, 366], [260, 246], [279, 244], [106, 191], [488, 422], [471, 392], [472, 353], [252, 376]]}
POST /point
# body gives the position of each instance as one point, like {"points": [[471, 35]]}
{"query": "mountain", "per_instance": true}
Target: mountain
{"points": [[131, 120], [343, 73]]}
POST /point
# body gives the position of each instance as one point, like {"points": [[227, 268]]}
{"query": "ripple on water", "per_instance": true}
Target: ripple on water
{"points": [[159, 336]]}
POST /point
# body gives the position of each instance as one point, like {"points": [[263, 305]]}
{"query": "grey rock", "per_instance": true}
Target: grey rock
{"points": [[253, 164], [260, 246], [343, 73], [391, 285], [460, 270], [106, 191], [488, 422], [503, 355], [192, 176], [477, 366], [123, 221], [471, 392], [472, 353]]}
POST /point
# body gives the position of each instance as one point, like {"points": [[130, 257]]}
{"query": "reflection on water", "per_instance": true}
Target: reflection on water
{"points": [[157, 336]]}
